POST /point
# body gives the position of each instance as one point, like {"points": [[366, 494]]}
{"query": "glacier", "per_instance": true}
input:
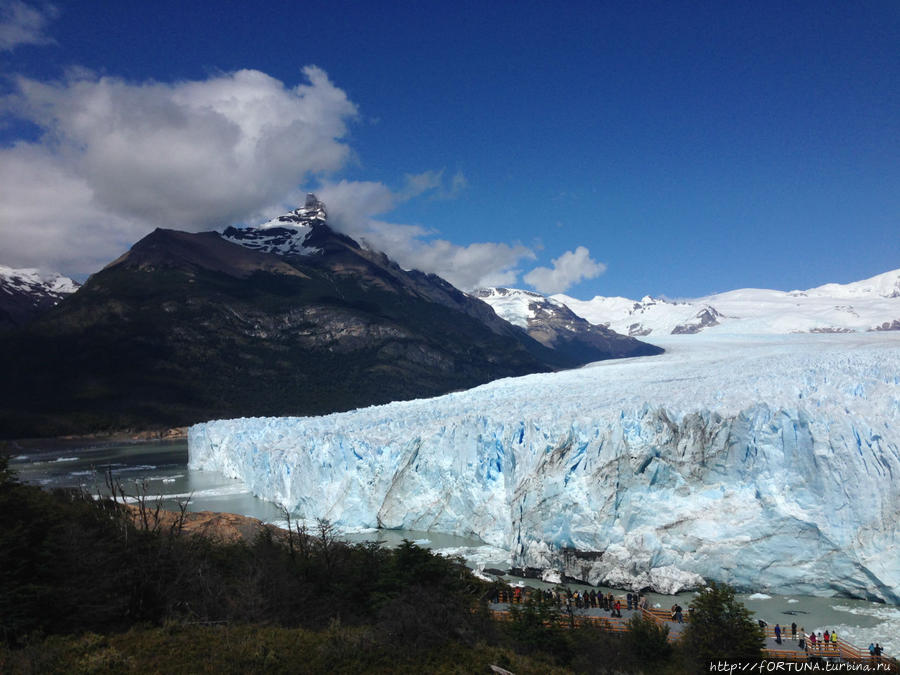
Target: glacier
{"points": [[768, 462]]}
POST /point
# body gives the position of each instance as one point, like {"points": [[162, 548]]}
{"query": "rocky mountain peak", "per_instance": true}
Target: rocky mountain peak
{"points": [[303, 231], [311, 213]]}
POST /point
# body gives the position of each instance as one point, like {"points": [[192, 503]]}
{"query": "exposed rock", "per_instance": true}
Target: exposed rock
{"points": [[706, 317], [888, 325]]}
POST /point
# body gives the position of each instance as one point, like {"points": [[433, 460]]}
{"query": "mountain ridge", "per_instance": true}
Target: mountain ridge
{"points": [[186, 327], [871, 304]]}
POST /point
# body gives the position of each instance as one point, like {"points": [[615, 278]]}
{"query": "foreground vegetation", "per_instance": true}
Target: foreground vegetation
{"points": [[88, 586]]}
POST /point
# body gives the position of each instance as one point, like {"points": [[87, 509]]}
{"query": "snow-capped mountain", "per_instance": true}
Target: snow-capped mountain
{"points": [[768, 462], [288, 318], [25, 293], [284, 235], [869, 305], [556, 326]]}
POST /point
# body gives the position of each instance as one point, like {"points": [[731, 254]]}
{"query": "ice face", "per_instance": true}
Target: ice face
{"points": [[767, 462]]}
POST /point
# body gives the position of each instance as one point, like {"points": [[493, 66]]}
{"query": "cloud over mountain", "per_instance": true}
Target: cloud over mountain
{"points": [[354, 205], [196, 154], [568, 269], [115, 159]]}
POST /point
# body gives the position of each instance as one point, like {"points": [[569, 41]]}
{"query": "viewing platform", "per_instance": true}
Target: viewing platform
{"points": [[788, 649]]}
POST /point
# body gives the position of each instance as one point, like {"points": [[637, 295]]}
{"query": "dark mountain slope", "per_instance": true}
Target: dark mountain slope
{"points": [[288, 319], [189, 327]]}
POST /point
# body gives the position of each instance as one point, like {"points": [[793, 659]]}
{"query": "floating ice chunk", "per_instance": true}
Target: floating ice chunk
{"points": [[551, 577]]}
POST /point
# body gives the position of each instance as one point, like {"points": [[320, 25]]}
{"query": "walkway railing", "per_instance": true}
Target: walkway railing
{"points": [[661, 617]]}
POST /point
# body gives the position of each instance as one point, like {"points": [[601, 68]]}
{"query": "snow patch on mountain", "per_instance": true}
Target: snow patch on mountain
{"points": [[871, 304], [556, 326], [34, 282], [27, 293], [768, 462], [285, 235], [513, 305]]}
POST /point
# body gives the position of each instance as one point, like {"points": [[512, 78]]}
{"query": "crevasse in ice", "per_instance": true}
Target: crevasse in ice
{"points": [[767, 462]]}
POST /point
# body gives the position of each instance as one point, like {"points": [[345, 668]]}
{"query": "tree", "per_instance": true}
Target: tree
{"points": [[647, 640], [722, 628]]}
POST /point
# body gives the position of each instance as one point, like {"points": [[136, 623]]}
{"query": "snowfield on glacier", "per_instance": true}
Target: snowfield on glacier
{"points": [[768, 462]]}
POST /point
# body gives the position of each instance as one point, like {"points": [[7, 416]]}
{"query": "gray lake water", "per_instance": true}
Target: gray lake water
{"points": [[159, 469]]}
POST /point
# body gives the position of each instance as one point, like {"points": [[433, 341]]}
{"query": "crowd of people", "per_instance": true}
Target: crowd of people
{"points": [[568, 599], [820, 643]]}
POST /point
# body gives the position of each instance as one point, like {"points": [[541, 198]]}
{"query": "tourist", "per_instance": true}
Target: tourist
{"points": [[618, 609], [872, 650], [793, 630], [834, 642], [777, 634], [826, 639], [878, 650], [678, 616]]}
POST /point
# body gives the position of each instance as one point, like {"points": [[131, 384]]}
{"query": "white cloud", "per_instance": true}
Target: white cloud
{"points": [[568, 269], [22, 24], [117, 159], [433, 184], [353, 205], [189, 155], [48, 218], [466, 267]]}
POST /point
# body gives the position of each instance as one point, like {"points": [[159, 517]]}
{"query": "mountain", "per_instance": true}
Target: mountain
{"points": [[26, 293], [288, 318], [869, 305], [556, 326], [767, 462]]}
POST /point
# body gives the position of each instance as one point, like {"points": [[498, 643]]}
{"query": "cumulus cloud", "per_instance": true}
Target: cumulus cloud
{"points": [[568, 269], [190, 155], [467, 267], [22, 24], [352, 207], [48, 218], [117, 159]]}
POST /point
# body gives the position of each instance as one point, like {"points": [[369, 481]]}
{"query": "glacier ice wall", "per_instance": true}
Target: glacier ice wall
{"points": [[765, 462]]}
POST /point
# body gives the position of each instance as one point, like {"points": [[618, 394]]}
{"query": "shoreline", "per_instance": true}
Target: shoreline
{"points": [[120, 437]]}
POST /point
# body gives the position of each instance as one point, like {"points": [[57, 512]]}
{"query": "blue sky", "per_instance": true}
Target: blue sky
{"points": [[665, 148]]}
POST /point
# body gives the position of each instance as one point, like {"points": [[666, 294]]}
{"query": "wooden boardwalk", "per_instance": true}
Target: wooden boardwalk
{"points": [[787, 650]]}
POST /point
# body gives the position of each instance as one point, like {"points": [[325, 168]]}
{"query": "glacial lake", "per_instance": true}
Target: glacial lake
{"points": [[160, 469]]}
